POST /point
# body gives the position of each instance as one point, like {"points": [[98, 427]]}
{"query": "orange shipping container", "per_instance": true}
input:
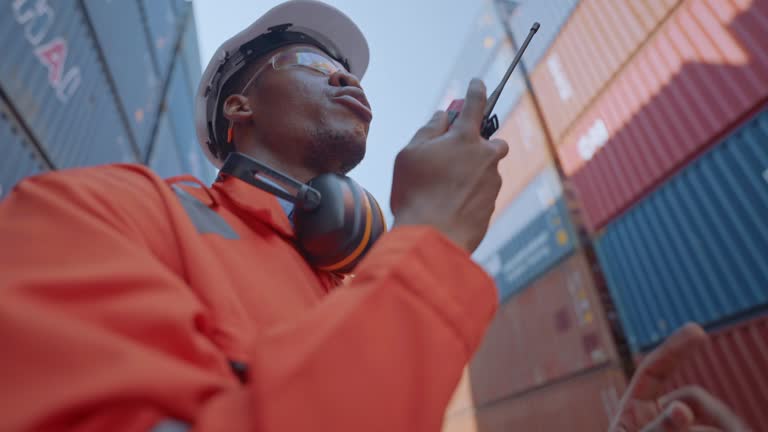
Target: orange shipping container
{"points": [[528, 152], [599, 38], [552, 329], [702, 73], [583, 403]]}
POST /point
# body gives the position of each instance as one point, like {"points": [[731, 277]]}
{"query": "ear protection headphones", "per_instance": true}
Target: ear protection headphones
{"points": [[336, 220]]}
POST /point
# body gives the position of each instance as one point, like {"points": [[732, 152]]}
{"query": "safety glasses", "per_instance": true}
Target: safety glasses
{"points": [[298, 58]]}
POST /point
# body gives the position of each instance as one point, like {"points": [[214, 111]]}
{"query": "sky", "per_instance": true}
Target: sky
{"points": [[414, 44]]}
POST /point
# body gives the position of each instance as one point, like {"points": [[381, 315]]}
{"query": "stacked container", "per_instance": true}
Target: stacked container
{"points": [[90, 82], [551, 339], [661, 131]]}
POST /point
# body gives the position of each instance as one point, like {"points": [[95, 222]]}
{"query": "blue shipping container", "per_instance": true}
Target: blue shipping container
{"points": [[19, 156], [541, 244], [163, 26], [697, 248], [125, 46], [55, 81]]}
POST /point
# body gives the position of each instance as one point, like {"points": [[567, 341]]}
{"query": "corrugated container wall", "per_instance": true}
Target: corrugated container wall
{"points": [[545, 240], [733, 368], [89, 80], [163, 25], [58, 85], [20, 158], [699, 75], [582, 403], [583, 60], [552, 329], [483, 40], [696, 249], [119, 28], [530, 235], [165, 158], [551, 14], [528, 153]]}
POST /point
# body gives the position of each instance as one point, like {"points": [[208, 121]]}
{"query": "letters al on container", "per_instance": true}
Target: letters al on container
{"points": [[56, 82]]}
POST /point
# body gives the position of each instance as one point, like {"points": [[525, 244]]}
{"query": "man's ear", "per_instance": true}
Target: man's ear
{"points": [[237, 108]]}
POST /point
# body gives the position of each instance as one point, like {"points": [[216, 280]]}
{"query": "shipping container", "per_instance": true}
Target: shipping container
{"points": [[125, 46], [582, 60], [552, 329], [190, 54], [520, 16], [539, 194], [163, 25], [585, 402], [530, 251], [20, 158], [732, 367], [165, 158], [57, 85], [180, 112], [528, 153], [703, 71], [483, 39], [697, 248]]}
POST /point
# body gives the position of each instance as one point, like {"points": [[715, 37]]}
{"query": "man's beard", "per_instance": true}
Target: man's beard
{"points": [[333, 150]]}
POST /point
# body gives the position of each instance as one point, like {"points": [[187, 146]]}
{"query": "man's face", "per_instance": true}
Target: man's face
{"points": [[320, 121]]}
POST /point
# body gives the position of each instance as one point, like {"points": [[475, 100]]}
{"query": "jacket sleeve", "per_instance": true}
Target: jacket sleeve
{"points": [[100, 335]]}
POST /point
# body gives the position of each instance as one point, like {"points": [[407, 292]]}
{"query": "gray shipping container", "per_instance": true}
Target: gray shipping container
{"points": [[56, 82], [125, 47], [20, 159], [163, 25], [165, 158], [551, 14]]}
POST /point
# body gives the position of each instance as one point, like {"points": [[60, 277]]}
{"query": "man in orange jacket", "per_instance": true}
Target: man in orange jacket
{"points": [[134, 304]]}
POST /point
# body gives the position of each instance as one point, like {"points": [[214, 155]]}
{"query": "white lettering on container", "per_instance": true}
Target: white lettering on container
{"points": [[564, 88], [36, 16], [596, 137]]}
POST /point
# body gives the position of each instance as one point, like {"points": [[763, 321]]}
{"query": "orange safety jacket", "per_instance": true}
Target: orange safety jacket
{"points": [[130, 304]]}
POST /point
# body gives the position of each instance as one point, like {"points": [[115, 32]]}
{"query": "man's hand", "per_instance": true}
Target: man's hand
{"points": [[449, 178], [645, 409]]}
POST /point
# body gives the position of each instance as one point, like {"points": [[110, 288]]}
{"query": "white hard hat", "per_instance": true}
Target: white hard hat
{"points": [[295, 21]]}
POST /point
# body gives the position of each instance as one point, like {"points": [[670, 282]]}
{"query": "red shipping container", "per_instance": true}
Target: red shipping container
{"points": [[733, 367], [586, 402], [696, 78], [554, 328], [528, 152], [583, 60]]}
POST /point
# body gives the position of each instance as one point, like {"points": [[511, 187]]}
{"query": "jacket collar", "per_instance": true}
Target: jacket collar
{"points": [[249, 202]]}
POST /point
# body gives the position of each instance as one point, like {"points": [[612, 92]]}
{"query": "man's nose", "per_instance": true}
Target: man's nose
{"points": [[342, 78]]}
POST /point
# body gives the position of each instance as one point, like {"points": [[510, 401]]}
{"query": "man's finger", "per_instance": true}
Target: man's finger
{"points": [[676, 417], [655, 369], [708, 410], [471, 115], [436, 126]]}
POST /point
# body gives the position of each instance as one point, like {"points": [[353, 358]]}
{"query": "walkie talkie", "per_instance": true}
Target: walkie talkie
{"points": [[491, 122]]}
